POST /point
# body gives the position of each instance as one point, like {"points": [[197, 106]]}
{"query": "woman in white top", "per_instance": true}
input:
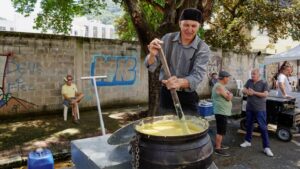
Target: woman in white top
{"points": [[284, 86]]}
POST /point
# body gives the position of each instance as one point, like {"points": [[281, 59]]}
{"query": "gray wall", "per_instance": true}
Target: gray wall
{"points": [[33, 76]]}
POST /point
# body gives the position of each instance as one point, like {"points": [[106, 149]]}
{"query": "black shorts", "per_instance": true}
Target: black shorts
{"points": [[221, 122]]}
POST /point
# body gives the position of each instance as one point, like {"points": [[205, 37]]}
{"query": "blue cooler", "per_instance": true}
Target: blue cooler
{"points": [[40, 159], [205, 109]]}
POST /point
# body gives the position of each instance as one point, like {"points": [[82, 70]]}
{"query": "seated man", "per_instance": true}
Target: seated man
{"points": [[71, 96]]}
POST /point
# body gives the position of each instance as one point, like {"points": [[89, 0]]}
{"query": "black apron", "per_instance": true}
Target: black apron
{"points": [[188, 101]]}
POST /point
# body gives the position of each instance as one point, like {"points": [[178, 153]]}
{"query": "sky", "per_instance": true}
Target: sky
{"points": [[7, 10], [17, 20], [21, 23]]}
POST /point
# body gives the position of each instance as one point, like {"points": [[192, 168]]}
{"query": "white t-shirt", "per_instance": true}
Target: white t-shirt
{"points": [[288, 88]]}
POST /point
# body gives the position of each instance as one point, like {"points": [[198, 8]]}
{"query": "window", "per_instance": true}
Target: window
{"points": [[86, 31], [103, 32], [11, 29], [112, 31], [95, 32], [2, 28]]}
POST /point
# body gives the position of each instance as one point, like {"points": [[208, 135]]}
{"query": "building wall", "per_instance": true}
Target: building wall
{"points": [[214, 66], [262, 43], [33, 76], [81, 26], [6, 25]]}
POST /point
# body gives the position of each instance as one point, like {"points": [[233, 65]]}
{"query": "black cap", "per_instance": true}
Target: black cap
{"points": [[191, 14], [224, 74]]}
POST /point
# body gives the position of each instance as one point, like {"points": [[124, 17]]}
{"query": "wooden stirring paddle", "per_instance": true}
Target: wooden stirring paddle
{"points": [[175, 98]]}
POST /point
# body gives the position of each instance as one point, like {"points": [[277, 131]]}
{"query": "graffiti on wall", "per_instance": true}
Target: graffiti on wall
{"points": [[3, 97], [18, 70], [214, 65], [88, 94], [8, 103], [121, 70], [239, 71]]}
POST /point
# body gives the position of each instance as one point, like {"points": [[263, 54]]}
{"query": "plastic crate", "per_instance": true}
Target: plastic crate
{"points": [[40, 159]]}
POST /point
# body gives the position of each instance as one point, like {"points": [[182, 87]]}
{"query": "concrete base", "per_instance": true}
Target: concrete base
{"points": [[95, 153]]}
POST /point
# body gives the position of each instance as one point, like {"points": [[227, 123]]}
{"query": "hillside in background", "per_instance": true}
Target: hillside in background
{"points": [[110, 13]]}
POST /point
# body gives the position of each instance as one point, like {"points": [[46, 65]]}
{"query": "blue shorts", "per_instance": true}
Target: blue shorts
{"points": [[68, 102]]}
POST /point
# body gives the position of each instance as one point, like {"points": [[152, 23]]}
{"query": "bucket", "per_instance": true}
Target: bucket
{"points": [[193, 151], [40, 159], [205, 108]]}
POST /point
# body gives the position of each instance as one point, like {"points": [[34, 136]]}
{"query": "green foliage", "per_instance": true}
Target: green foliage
{"points": [[125, 29], [160, 2], [229, 26], [58, 15], [201, 33], [232, 21], [152, 17], [24, 7], [108, 15]]}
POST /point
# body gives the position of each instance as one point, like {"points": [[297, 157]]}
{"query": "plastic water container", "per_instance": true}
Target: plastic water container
{"points": [[205, 108], [40, 159]]}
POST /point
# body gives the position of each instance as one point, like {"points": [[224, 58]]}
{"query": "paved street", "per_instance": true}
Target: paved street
{"points": [[286, 154], [58, 132]]}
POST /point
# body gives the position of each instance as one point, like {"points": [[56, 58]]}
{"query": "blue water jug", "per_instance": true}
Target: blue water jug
{"points": [[40, 159]]}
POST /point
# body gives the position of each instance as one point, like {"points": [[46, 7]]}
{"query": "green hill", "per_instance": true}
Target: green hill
{"points": [[110, 13]]}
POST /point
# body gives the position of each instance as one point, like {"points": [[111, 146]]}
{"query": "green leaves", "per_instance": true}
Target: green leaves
{"points": [[57, 15], [229, 26], [125, 29], [233, 20], [24, 7]]}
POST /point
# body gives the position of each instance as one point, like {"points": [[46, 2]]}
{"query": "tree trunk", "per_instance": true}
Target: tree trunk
{"points": [[145, 37], [154, 88], [172, 13]]}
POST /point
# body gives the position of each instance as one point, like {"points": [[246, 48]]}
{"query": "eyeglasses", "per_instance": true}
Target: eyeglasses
{"points": [[70, 79]]}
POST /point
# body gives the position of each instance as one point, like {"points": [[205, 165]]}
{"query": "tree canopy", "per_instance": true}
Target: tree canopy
{"points": [[232, 20], [57, 15], [228, 27], [228, 21]]}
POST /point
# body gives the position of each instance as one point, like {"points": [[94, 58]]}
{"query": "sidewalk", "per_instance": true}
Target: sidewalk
{"points": [[19, 136]]}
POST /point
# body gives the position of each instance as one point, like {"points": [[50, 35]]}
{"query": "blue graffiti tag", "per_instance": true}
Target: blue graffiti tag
{"points": [[118, 60]]}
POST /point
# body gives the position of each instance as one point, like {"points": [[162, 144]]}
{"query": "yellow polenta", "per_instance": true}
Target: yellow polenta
{"points": [[169, 128]]}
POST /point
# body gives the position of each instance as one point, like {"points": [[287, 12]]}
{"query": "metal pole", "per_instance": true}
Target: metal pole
{"points": [[98, 99]]}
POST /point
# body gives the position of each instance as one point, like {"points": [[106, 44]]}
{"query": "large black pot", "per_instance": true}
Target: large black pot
{"points": [[192, 151]]}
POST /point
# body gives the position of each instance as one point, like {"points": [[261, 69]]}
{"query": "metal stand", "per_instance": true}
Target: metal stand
{"points": [[98, 99]]}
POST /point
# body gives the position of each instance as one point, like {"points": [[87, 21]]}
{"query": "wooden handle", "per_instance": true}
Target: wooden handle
{"points": [[175, 98]]}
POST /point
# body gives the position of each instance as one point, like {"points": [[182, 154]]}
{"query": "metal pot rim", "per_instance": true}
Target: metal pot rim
{"points": [[171, 138]]}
